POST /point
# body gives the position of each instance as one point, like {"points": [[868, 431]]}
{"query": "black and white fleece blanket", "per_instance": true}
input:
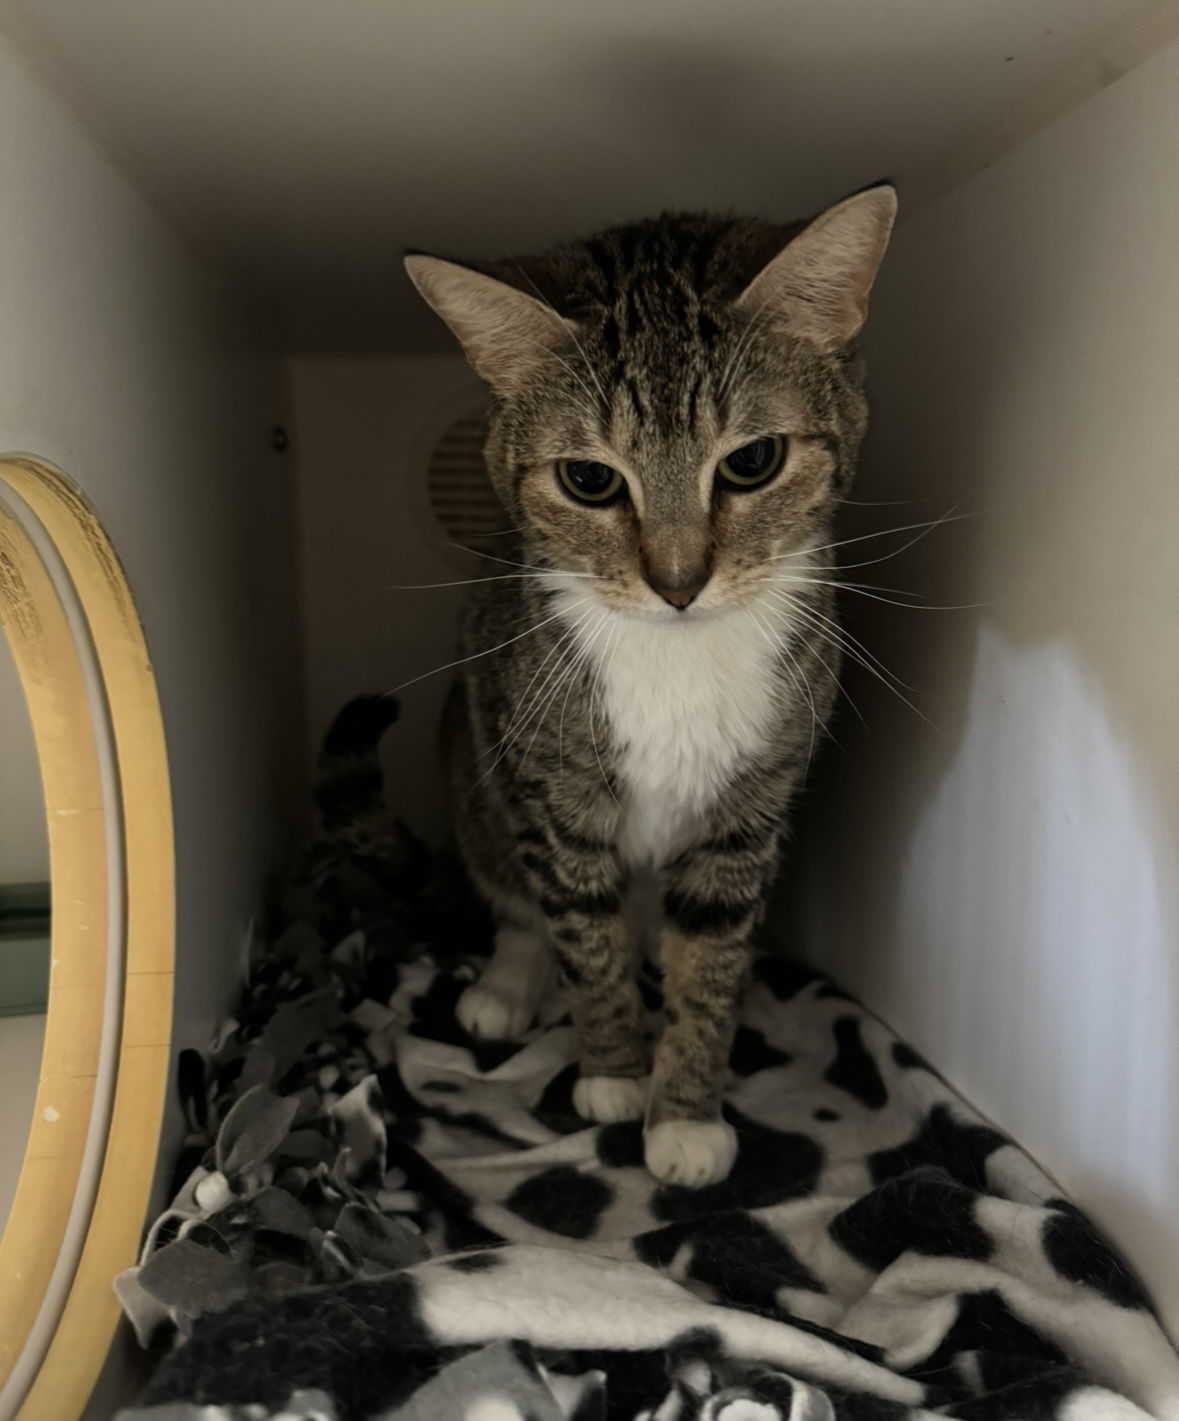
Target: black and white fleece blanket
{"points": [[382, 1218]]}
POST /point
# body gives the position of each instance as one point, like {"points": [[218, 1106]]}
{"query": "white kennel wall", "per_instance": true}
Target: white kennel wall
{"points": [[1003, 888], [125, 363]]}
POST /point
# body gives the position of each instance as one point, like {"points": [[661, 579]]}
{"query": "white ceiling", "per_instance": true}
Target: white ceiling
{"points": [[306, 142]]}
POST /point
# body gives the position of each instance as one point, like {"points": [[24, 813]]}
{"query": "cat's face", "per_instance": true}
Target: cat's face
{"points": [[681, 412]]}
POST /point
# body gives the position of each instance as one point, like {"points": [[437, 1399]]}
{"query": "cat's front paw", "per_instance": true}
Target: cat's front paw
{"points": [[494, 1012], [690, 1153], [609, 1099]]}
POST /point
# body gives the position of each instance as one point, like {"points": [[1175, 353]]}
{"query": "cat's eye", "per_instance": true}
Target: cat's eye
{"points": [[590, 482], [753, 464]]}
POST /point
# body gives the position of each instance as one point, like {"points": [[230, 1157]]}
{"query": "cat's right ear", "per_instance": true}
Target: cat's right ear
{"points": [[504, 332], [818, 284]]}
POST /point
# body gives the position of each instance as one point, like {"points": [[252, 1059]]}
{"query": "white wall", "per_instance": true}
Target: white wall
{"points": [[24, 837], [364, 430], [315, 140], [123, 363], [1002, 887]]}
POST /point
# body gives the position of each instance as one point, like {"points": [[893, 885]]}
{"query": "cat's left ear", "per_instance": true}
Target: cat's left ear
{"points": [[818, 284], [504, 332]]}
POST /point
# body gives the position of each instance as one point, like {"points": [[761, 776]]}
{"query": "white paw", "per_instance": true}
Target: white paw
{"points": [[691, 1153], [608, 1099], [493, 1012]]}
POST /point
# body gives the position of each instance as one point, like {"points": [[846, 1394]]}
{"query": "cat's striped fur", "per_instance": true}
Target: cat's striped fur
{"points": [[602, 738]]}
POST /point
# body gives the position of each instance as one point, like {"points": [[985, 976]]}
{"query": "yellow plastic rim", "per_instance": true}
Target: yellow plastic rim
{"points": [[90, 1159]]}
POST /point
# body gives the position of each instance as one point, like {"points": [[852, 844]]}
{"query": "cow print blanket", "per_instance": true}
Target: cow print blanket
{"points": [[382, 1218]]}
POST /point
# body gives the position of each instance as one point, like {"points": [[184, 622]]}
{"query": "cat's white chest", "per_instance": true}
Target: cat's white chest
{"points": [[688, 701]]}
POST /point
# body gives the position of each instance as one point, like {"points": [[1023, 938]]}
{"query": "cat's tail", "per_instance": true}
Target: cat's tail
{"points": [[350, 788]]}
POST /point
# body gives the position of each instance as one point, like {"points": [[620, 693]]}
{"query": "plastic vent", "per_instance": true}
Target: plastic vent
{"points": [[460, 492]]}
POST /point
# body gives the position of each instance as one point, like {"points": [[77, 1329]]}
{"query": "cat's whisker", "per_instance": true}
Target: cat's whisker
{"points": [[595, 632], [462, 581], [571, 656], [565, 672], [475, 656], [858, 653], [781, 648], [566, 327], [564, 645], [592, 409], [926, 528], [744, 344], [529, 566], [871, 562], [562, 671], [603, 669], [838, 645], [830, 632], [585, 360], [512, 736], [803, 579], [567, 677], [874, 594], [794, 663], [826, 665], [878, 502], [841, 631], [568, 680], [921, 606], [555, 649]]}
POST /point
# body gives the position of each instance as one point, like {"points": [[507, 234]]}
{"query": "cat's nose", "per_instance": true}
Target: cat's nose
{"points": [[681, 595], [677, 559]]}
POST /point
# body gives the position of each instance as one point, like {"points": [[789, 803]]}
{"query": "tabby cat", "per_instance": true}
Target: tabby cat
{"points": [[677, 409]]}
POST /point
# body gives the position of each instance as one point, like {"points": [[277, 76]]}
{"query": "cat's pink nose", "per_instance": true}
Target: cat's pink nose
{"points": [[682, 595]]}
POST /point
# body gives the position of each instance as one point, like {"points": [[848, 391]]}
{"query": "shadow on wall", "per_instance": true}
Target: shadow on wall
{"points": [[994, 883], [655, 123]]}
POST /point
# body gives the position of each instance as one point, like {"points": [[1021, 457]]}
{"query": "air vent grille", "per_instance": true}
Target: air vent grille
{"points": [[460, 492]]}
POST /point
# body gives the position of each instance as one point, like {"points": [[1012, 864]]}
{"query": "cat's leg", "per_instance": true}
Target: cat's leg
{"points": [[686, 1141], [580, 891], [713, 897], [503, 1003], [599, 975]]}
